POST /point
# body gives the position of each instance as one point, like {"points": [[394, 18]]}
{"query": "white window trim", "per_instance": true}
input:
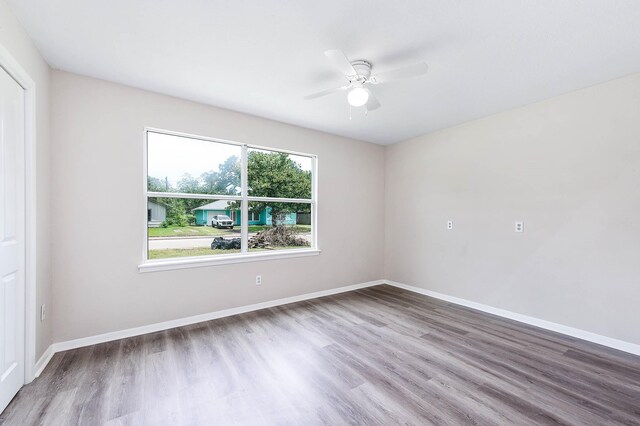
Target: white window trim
{"points": [[222, 259], [152, 265]]}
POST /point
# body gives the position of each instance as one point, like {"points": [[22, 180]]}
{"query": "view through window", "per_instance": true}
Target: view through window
{"points": [[208, 198]]}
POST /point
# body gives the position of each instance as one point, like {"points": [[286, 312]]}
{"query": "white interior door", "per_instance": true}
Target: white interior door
{"points": [[12, 238]]}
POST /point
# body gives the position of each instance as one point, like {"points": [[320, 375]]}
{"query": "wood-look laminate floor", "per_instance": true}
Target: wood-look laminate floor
{"points": [[375, 356]]}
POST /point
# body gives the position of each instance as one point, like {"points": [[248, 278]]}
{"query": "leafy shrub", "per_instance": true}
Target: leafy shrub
{"points": [[180, 219]]}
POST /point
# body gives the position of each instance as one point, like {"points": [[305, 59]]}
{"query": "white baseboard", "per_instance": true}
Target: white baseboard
{"points": [[547, 325], [43, 361], [151, 328]]}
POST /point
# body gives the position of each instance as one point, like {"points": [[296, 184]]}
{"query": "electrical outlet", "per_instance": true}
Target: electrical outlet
{"points": [[43, 312], [450, 224], [258, 279], [519, 227]]}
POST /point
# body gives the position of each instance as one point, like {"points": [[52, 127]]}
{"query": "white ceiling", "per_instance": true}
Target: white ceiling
{"points": [[262, 56]]}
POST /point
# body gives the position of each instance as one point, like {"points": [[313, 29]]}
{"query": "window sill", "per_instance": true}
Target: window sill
{"points": [[195, 262]]}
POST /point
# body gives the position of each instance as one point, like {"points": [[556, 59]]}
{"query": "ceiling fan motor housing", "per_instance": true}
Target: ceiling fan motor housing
{"points": [[363, 68]]}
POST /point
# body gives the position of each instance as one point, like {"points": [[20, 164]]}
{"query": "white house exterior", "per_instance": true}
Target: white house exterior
{"points": [[156, 213]]}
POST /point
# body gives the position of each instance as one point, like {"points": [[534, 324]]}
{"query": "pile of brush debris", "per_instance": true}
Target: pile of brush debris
{"points": [[279, 236]]}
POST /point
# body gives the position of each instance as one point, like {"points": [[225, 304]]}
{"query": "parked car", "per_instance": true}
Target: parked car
{"points": [[221, 221]]}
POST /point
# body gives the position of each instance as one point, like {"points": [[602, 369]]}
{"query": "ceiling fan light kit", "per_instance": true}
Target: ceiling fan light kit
{"points": [[358, 96], [358, 75]]}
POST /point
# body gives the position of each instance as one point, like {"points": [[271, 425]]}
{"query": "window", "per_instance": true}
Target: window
{"points": [[214, 200]]}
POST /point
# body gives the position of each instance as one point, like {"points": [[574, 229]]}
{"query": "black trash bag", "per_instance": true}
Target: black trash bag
{"points": [[220, 243]]}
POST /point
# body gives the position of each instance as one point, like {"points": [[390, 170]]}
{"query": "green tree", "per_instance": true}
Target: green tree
{"points": [[190, 185], [226, 180], [155, 184], [275, 174]]}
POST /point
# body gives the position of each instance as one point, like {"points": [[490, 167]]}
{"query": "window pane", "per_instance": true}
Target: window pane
{"points": [[281, 226], [279, 175], [186, 227], [182, 164]]}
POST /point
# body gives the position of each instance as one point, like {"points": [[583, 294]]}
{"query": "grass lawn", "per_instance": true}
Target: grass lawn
{"points": [[204, 251], [204, 231], [200, 251]]}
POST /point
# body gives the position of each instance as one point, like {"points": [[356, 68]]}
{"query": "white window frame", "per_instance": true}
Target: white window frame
{"points": [[252, 216], [152, 265]]}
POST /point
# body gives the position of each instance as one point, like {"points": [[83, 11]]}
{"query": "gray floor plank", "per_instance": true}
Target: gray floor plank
{"points": [[380, 355]]}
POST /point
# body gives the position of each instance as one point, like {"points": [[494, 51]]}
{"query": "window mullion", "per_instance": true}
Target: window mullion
{"points": [[282, 200], [244, 212], [193, 196]]}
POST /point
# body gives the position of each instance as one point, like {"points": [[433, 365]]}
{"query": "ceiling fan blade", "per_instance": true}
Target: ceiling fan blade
{"points": [[326, 92], [406, 72], [373, 102], [340, 61]]}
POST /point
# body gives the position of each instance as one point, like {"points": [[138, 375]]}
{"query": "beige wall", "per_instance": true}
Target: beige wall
{"points": [[17, 42], [97, 130], [569, 167]]}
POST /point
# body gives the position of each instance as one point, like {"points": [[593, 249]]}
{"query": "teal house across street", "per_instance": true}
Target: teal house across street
{"points": [[204, 214]]}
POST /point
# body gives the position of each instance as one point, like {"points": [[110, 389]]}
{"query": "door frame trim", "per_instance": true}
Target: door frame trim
{"points": [[18, 73]]}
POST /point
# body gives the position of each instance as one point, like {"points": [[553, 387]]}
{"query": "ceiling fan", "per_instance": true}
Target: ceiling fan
{"points": [[358, 75]]}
